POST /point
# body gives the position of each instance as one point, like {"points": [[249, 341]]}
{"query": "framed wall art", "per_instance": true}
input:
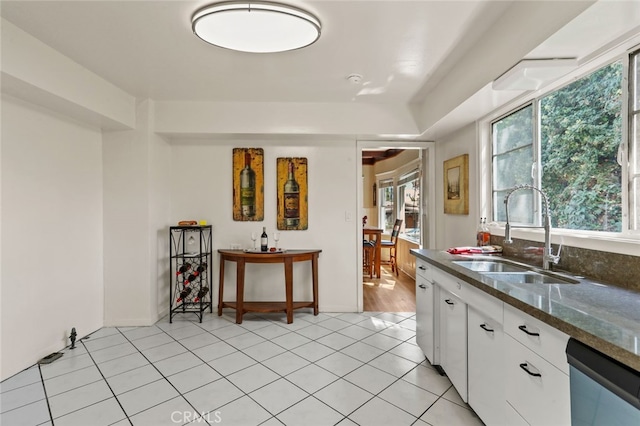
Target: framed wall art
{"points": [[456, 185], [293, 206], [248, 184]]}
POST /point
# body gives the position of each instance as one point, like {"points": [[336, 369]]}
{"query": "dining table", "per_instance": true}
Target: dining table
{"points": [[372, 234]]}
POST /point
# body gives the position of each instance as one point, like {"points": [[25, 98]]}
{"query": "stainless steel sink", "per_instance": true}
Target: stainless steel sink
{"points": [[528, 277], [489, 266]]}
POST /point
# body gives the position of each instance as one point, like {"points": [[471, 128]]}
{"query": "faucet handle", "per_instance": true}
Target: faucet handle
{"points": [[553, 258]]}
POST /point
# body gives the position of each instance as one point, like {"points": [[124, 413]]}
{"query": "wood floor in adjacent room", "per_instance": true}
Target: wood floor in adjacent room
{"points": [[389, 293]]}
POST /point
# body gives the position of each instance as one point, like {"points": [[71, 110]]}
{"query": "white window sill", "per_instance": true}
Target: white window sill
{"points": [[607, 242]]}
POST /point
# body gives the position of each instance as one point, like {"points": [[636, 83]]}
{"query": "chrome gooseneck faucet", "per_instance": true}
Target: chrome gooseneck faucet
{"points": [[548, 257]]}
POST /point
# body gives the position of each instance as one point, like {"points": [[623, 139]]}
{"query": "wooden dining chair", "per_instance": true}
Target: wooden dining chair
{"points": [[392, 245], [368, 257]]}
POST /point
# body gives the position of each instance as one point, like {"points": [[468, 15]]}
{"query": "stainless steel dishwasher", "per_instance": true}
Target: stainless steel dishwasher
{"points": [[603, 391]]}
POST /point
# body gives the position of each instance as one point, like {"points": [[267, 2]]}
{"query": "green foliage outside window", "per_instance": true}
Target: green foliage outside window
{"points": [[580, 133]]}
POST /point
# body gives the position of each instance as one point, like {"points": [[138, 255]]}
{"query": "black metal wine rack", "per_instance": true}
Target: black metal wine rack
{"points": [[190, 270]]}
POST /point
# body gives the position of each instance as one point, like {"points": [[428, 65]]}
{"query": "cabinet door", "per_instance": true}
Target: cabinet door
{"points": [[486, 365], [425, 316], [453, 340]]}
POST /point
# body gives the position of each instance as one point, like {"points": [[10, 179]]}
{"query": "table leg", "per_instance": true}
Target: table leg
{"points": [[378, 256], [239, 290], [288, 280], [220, 285], [314, 271]]}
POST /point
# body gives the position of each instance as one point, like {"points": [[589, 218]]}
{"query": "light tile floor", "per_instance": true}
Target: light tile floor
{"points": [[331, 369]]}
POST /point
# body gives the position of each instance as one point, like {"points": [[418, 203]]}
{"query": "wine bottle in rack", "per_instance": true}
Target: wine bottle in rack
{"points": [[248, 188], [203, 292], [264, 240], [184, 268], [191, 278], [291, 199], [184, 293], [200, 269]]}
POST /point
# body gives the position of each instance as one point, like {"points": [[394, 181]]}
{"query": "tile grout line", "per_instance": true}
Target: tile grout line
{"points": [[46, 398], [106, 382]]}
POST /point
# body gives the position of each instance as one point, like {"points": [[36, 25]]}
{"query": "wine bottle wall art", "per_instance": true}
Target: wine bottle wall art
{"points": [[248, 184], [292, 193]]}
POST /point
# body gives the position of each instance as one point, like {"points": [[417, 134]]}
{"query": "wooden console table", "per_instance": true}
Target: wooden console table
{"points": [[287, 258]]}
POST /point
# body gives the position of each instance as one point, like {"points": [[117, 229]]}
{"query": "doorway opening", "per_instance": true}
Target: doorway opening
{"points": [[393, 188]]}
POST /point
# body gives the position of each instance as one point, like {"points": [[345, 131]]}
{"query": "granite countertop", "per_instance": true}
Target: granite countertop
{"points": [[605, 317]]}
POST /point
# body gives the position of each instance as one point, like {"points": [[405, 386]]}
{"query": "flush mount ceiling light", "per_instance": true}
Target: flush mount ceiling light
{"points": [[256, 27], [532, 74]]}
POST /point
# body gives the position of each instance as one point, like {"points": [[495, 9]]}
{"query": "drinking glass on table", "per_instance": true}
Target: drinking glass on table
{"points": [[276, 238], [254, 237]]}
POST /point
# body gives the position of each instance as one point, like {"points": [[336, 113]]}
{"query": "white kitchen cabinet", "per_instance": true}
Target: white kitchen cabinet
{"points": [[509, 366], [453, 340], [426, 296], [537, 384], [486, 365], [512, 418]]}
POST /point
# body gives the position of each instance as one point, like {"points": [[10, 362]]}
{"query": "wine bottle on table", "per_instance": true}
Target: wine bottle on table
{"points": [[248, 188], [264, 240], [291, 199]]}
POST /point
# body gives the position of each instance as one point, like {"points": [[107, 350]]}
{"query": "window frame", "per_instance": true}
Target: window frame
{"points": [[600, 240]]}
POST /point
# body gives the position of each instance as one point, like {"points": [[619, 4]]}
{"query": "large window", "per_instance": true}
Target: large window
{"points": [[568, 143]]}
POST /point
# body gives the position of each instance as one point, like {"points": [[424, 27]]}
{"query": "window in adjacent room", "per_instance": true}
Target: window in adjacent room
{"points": [[386, 213], [409, 205]]}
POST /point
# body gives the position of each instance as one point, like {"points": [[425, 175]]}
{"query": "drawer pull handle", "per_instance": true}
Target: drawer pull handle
{"points": [[422, 268], [524, 328], [422, 286], [485, 328], [524, 367], [449, 302]]}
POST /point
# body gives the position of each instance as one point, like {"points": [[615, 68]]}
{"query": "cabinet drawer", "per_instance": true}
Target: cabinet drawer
{"points": [[537, 390], [541, 338], [452, 285], [489, 306], [424, 269]]}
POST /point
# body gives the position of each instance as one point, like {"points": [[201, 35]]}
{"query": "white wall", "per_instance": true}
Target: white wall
{"points": [[457, 230], [51, 232], [201, 182], [159, 219], [136, 216]]}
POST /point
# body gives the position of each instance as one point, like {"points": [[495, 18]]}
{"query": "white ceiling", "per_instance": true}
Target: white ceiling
{"points": [[403, 49]]}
